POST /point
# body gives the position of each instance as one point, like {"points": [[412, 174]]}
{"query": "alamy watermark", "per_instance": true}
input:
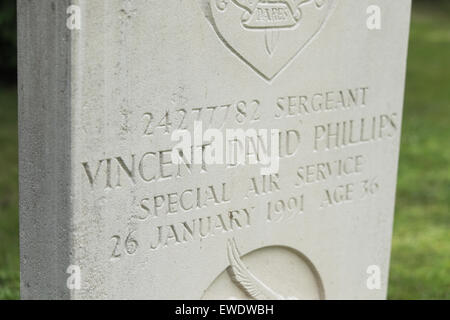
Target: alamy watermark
{"points": [[235, 147], [74, 280], [73, 21], [374, 280]]}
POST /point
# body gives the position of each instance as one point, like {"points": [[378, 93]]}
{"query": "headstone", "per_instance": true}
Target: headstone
{"points": [[209, 149]]}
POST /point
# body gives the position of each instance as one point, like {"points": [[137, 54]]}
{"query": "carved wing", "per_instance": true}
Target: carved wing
{"points": [[248, 5], [245, 279]]}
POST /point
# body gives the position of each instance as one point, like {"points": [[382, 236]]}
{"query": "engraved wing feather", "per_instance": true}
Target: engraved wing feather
{"points": [[245, 279], [248, 5]]}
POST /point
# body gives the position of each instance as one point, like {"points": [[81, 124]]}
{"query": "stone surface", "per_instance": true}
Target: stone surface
{"points": [[102, 199]]}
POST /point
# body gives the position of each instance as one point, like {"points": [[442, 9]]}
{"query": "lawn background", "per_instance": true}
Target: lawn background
{"points": [[420, 264]]}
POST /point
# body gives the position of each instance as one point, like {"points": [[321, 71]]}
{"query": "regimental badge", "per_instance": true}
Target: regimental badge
{"points": [[271, 14], [267, 34]]}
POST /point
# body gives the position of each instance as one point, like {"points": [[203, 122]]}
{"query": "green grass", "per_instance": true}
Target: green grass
{"points": [[420, 265], [9, 221]]}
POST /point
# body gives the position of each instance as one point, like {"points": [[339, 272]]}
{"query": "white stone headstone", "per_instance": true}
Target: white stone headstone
{"points": [[111, 205]]}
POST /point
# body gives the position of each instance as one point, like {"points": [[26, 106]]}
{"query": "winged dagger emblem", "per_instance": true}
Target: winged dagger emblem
{"points": [[246, 280], [271, 16]]}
